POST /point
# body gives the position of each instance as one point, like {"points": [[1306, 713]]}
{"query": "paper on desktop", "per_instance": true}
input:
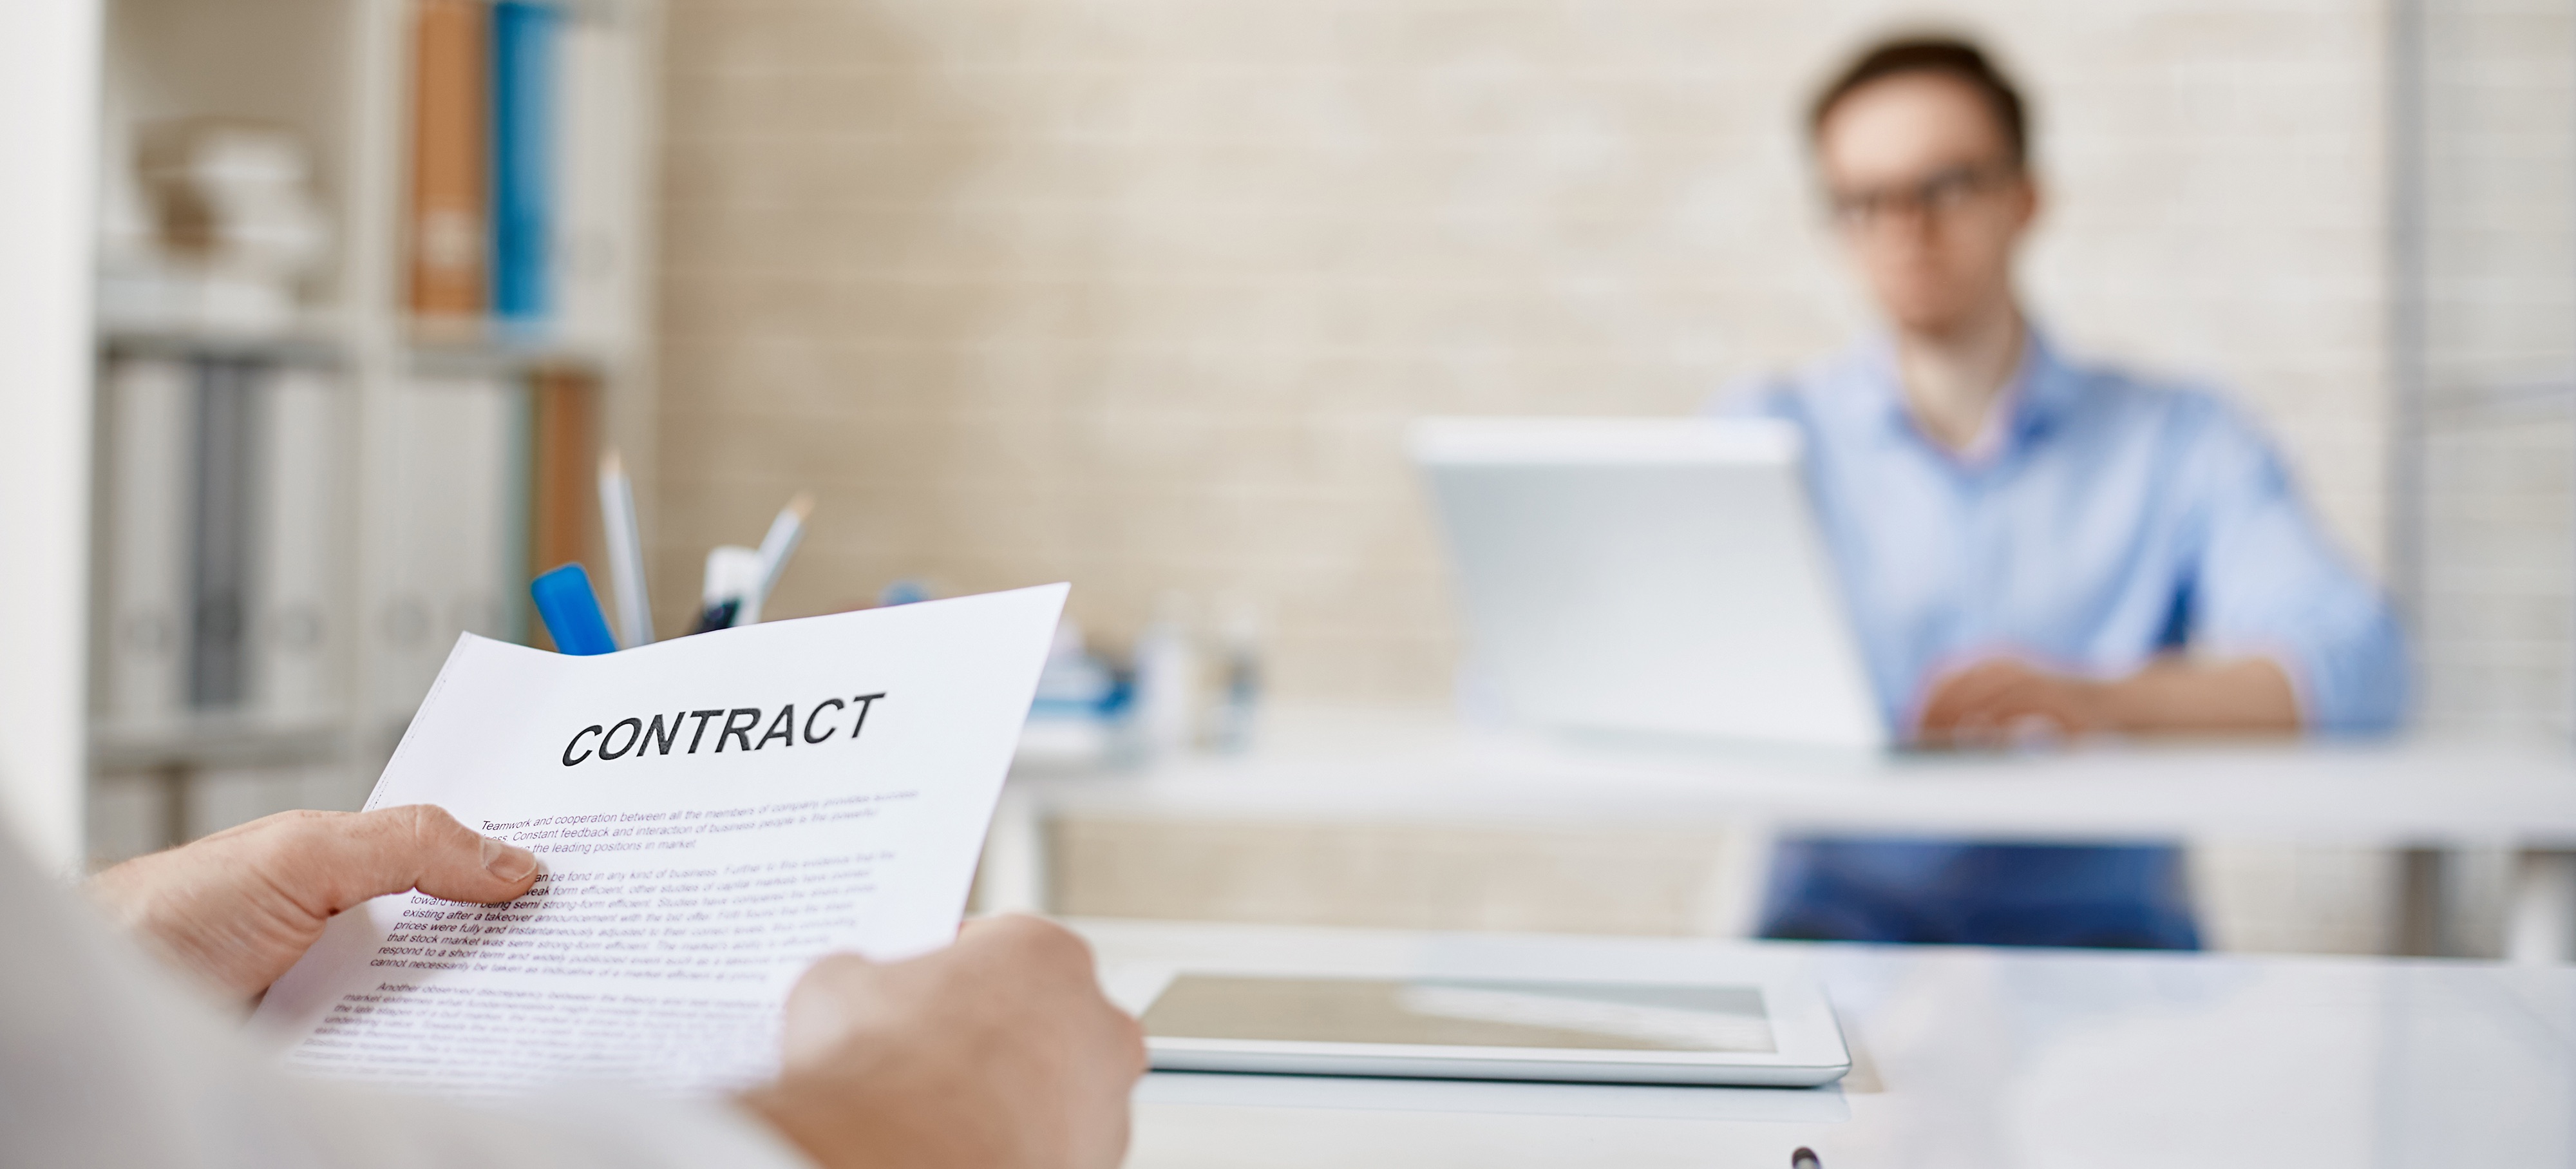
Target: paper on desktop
{"points": [[834, 796]]}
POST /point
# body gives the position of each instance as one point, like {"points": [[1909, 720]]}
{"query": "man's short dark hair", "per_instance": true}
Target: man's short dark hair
{"points": [[1939, 56]]}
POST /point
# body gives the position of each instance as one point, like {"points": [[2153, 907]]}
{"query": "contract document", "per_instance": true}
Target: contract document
{"points": [[711, 814]]}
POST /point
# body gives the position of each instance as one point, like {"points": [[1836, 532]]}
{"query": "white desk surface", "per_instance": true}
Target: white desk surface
{"points": [[1988, 1059], [1393, 765]]}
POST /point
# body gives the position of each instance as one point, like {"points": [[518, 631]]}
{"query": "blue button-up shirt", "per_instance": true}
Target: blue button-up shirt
{"points": [[2112, 519]]}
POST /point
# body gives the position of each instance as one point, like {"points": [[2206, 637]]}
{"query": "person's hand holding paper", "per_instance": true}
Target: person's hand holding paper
{"points": [[713, 814], [998, 1051], [237, 908]]}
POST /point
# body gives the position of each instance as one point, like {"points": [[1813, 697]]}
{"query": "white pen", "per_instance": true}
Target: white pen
{"points": [[784, 534], [625, 552]]}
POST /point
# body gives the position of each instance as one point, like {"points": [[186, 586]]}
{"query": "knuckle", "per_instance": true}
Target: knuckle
{"points": [[833, 972], [837, 966], [427, 818], [307, 830], [1013, 924], [1048, 940], [428, 825]]}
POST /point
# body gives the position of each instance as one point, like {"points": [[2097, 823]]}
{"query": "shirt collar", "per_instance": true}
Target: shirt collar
{"points": [[2043, 389]]}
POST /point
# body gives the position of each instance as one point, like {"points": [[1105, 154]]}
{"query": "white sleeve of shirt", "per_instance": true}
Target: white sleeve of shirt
{"points": [[107, 1060]]}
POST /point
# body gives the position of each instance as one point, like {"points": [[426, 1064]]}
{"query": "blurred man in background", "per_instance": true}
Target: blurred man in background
{"points": [[2032, 547]]}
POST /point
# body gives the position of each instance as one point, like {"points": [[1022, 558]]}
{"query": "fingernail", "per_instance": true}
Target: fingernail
{"points": [[506, 861]]}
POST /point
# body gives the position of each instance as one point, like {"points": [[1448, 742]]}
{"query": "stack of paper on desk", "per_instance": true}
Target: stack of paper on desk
{"points": [[713, 813]]}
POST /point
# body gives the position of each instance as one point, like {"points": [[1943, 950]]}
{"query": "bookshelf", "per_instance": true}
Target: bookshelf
{"points": [[306, 489]]}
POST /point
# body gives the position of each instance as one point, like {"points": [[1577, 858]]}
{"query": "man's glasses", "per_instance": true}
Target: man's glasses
{"points": [[1945, 191]]}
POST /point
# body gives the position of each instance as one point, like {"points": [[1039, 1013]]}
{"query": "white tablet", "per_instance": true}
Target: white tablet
{"points": [[1761, 1029]]}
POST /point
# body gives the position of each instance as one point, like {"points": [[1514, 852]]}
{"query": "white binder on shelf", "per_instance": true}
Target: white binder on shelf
{"points": [[144, 630], [596, 156], [296, 581], [453, 544]]}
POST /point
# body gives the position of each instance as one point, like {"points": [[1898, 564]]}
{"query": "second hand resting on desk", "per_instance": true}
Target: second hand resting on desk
{"points": [[2002, 701]]}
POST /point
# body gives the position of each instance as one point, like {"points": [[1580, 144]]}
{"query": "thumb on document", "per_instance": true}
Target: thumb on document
{"points": [[237, 908], [418, 846]]}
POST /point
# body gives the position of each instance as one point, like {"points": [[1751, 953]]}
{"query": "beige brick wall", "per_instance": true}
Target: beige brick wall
{"points": [[1139, 292], [2495, 643], [1403, 876]]}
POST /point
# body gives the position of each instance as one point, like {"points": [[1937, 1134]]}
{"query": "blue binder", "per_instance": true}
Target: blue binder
{"points": [[523, 148]]}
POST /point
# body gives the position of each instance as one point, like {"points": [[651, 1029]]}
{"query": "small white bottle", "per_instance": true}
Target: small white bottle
{"points": [[1167, 683]]}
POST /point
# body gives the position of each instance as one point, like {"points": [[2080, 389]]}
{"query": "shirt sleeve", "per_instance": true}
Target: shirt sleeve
{"points": [[2267, 581], [105, 1060]]}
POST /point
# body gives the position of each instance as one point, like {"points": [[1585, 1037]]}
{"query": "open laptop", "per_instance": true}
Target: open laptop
{"points": [[1648, 576]]}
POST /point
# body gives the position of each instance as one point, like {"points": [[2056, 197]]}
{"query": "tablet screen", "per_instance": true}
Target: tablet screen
{"points": [[1463, 1013]]}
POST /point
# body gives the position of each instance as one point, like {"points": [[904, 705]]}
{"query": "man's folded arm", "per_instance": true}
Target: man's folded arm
{"points": [[2271, 584]]}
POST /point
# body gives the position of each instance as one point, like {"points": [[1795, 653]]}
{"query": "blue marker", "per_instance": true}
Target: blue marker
{"points": [[571, 611]]}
